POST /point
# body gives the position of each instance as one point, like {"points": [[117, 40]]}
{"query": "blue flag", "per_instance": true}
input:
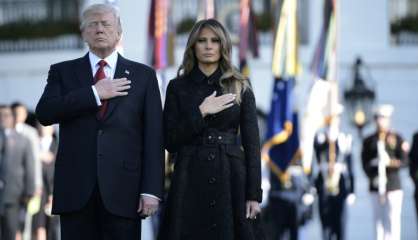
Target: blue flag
{"points": [[282, 141]]}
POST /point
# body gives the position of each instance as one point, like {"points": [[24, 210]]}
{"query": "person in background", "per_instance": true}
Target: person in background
{"points": [[334, 182], [413, 168], [18, 179], [383, 155], [45, 225], [109, 169], [210, 122], [289, 204], [20, 113], [2, 168]]}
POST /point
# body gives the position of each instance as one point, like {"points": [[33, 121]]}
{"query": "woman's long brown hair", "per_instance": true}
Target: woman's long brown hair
{"points": [[231, 81]]}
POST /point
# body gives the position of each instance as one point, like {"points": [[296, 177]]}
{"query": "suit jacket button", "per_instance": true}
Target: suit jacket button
{"points": [[212, 203], [100, 132]]}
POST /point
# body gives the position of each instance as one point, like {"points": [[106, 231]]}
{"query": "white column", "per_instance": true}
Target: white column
{"points": [[134, 15]]}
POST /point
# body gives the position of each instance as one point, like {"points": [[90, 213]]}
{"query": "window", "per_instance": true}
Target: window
{"points": [[403, 16], [39, 25]]}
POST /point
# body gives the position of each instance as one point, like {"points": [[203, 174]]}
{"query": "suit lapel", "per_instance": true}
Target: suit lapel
{"points": [[83, 71], [122, 70]]}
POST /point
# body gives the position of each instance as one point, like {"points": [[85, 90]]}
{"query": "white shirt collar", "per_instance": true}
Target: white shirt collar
{"points": [[111, 60], [19, 127]]}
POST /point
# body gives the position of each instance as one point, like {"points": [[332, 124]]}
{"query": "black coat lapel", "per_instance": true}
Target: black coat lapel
{"points": [[122, 70]]}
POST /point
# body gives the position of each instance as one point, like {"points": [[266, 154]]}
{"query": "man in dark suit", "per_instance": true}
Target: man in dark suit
{"points": [[2, 166], [110, 161], [413, 168], [17, 175]]}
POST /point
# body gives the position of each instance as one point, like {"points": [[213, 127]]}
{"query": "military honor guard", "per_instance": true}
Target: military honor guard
{"points": [[289, 204], [334, 180], [383, 155]]}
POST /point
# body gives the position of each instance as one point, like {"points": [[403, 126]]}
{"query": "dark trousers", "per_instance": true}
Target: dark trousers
{"points": [[9, 222], [94, 222], [281, 221], [333, 217]]}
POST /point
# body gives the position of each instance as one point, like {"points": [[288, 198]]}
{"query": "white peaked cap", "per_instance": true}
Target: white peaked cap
{"points": [[384, 110]]}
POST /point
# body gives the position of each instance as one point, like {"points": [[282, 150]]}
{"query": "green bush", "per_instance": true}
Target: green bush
{"points": [[264, 22], [185, 25], [407, 24], [33, 30]]}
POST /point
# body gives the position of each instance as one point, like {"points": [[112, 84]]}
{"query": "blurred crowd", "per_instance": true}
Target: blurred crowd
{"points": [[27, 157]]}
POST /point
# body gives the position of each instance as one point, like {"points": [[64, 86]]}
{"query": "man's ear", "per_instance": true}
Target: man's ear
{"points": [[120, 32], [82, 36]]}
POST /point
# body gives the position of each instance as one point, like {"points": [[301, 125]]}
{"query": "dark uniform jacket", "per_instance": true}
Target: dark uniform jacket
{"points": [[393, 146], [214, 175], [413, 161], [332, 194], [122, 153], [322, 153]]}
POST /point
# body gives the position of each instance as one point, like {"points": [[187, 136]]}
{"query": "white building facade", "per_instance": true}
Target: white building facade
{"points": [[363, 30]]}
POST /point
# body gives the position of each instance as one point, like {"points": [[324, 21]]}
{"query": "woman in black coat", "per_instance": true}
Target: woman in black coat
{"points": [[211, 125]]}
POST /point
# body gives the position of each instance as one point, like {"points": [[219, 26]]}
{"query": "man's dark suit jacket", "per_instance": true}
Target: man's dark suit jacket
{"points": [[18, 172], [123, 153], [2, 167]]}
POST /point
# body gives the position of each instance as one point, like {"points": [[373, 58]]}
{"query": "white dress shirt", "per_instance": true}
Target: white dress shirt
{"points": [[109, 69]]}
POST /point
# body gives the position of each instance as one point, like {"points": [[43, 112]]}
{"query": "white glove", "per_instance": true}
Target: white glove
{"points": [[308, 199], [351, 198]]}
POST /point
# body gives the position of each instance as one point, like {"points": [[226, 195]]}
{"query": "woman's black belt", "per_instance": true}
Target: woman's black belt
{"points": [[213, 138]]}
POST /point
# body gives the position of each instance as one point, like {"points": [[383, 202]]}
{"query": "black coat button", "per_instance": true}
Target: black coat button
{"points": [[211, 156], [100, 132], [212, 203], [212, 180]]}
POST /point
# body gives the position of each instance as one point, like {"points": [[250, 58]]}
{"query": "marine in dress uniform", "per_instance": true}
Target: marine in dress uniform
{"points": [[382, 157], [334, 180]]}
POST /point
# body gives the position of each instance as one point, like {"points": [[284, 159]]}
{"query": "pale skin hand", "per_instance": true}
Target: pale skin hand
{"points": [[213, 104], [147, 206], [47, 157], [252, 209], [109, 88]]}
